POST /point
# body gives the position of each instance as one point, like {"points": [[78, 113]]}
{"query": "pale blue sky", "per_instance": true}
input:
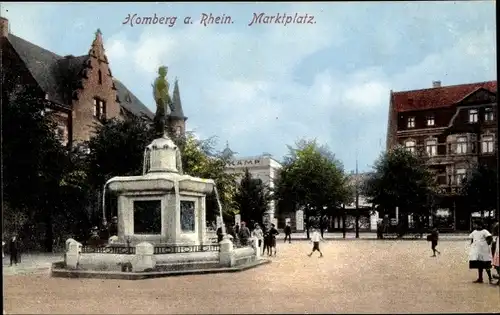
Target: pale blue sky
{"points": [[264, 86]]}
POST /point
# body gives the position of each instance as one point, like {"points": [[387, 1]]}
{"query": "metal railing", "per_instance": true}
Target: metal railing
{"points": [[124, 250], [159, 250]]}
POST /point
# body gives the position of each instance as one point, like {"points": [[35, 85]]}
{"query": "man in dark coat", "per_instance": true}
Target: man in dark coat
{"points": [[14, 248], [288, 233]]}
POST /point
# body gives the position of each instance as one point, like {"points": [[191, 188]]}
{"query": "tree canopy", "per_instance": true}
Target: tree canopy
{"points": [[252, 198], [479, 189], [311, 178], [400, 179], [38, 172]]}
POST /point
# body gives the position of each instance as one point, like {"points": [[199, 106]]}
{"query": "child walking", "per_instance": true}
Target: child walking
{"points": [[315, 239]]}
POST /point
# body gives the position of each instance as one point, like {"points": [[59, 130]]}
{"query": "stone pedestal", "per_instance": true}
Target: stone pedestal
{"points": [[254, 242], [73, 253], [226, 254], [144, 257]]}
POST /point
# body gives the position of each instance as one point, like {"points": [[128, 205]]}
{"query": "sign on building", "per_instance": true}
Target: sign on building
{"points": [[299, 219]]}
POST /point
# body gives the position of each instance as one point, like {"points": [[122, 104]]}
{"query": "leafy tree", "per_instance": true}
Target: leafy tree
{"points": [[401, 179], [117, 149], [200, 160], [312, 179], [479, 189], [252, 198], [34, 164]]}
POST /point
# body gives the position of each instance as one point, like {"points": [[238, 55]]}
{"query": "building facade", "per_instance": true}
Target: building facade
{"points": [[78, 91], [454, 128], [262, 167]]}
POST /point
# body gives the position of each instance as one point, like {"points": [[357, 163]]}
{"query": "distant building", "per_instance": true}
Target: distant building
{"points": [[454, 128], [263, 167], [78, 91]]}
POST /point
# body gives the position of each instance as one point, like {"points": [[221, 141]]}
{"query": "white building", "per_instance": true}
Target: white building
{"points": [[263, 167]]}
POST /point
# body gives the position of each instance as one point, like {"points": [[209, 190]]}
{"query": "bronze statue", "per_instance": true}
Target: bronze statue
{"points": [[162, 99]]}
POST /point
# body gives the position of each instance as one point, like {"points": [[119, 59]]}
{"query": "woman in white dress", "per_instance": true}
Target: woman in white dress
{"points": [[480, 252]]}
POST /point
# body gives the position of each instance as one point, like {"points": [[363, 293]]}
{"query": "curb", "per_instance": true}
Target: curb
{"points": [[63, 273]]}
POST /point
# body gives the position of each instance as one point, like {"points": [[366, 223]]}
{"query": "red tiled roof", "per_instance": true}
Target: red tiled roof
{"points": [[437, 97]]}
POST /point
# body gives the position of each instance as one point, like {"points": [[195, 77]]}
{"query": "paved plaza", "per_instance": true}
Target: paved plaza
{"points": [[354, 277]]}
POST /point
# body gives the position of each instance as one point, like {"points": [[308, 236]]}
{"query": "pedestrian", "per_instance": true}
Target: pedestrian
{"points": [[220, 235], [315, 239], [380, 229], [267, 241], [272, 239], [259, 234], [288, 233], [14, 249], [496, 252], [480, 252], [434, 237], [244, 234]]}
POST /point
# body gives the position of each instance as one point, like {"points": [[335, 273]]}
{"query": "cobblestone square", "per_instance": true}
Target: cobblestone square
{"points": [[353, 277]]}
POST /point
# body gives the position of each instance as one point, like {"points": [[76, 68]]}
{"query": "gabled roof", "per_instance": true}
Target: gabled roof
{"points": [[53, 72], [130, 102], [438, 97]]}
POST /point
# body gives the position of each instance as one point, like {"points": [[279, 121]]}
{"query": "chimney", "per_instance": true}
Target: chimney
{"points": [[4, 27], [436, 84]]}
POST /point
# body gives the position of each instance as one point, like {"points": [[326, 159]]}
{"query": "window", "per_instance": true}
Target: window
{"points": [[472, 115], [410, 146], [488, 114], [99, 108], [411, 122], [431, 147], [488, 144], [430, 121], [461, 145], [99, 73], [178, 131], [460, 175]]}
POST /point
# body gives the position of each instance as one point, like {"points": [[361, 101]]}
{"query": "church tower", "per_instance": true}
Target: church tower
{"points": [[176, 119]]}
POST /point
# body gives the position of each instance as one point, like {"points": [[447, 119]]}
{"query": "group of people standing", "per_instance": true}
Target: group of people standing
{"points": [[241, 234]]}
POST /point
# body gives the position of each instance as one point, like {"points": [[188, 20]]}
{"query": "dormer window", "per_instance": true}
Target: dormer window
{"points": [[488, 114], [430, 121], [128, 99], [178, 131], [473, 115], [411, 122], [99, 73], [99, 108]]}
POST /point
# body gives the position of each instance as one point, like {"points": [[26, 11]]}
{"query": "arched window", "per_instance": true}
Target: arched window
{"points": [[99, 73]]}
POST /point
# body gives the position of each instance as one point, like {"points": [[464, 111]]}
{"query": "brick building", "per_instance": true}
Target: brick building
{"points": [[453, 127], [79, 91]]}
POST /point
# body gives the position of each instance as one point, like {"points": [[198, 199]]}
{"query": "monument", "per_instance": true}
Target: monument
{"points": [[161, 225]]}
